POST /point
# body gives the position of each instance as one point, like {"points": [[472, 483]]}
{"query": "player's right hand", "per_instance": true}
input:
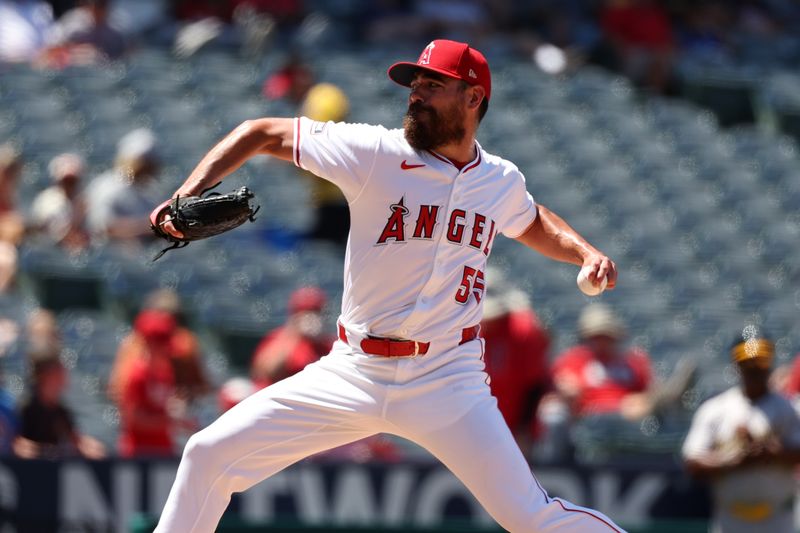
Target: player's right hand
{"points": [[601, 266]]}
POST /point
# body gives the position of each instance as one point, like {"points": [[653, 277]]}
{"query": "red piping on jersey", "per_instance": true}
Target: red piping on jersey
{"points": [[547, 499], [446, 160], [473, 165], [586, 513], [297, 142], [440, 157]]}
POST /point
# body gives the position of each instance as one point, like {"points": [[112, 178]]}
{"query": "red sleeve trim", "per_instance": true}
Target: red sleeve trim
{"points": [[297, 142]]}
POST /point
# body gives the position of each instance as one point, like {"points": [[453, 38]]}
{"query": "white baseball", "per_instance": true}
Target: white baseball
{"points": [[586, 286]]}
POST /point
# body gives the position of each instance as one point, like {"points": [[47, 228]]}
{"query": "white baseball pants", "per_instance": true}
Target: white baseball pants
{"points": [[441, 401]]}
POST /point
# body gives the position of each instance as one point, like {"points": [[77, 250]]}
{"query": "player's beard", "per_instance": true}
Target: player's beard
{"points": [[427, 129]]}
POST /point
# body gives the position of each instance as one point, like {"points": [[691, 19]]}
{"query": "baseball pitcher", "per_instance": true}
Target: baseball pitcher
{"points": [[426, 204]]}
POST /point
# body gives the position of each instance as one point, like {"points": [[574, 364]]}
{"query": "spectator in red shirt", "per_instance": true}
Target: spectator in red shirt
{"points": [[292, 81], [641, 35], [185, 356], [600, 374], [149, 408], [787, 378], [516, 359], [300, 341]]}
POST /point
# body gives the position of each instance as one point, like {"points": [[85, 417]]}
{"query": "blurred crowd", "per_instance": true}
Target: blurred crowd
{"points": [[80, 209], [550, 401], [158, 373], [75, 212], [644, 39], [600, 398], [602, 385]]}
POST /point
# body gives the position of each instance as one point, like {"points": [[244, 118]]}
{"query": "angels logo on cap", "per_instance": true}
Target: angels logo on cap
{"points": [[453, 59], [425, 58]]}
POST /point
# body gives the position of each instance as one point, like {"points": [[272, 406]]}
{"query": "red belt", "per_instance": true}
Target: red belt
{"points": [[397, 348]]}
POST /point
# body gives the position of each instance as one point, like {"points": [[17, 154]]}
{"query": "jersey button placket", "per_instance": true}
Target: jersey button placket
{"points": [[437, 269]]}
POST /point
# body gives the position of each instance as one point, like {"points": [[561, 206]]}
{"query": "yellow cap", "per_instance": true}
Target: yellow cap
{"points": [[325, 102], [758, 350]]}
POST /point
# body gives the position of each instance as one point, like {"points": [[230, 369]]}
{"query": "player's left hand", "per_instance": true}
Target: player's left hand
{"points": [[601, 266]]}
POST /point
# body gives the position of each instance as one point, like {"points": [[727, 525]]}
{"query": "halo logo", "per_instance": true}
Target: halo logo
{"points": [[425, 58]]}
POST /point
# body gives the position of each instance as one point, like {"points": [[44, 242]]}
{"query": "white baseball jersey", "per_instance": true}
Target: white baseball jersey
{"points": [[758, 495], [421, 229]]}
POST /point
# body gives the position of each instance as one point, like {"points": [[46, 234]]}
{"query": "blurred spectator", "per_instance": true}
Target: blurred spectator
{"points": [[600, 374], [703, 32], [61, 6], [119, 201], [641, 36], [234, 391], [786, 379], [563, 23], [47, 428], [84, 35], [258, 20], [756, 19], [150, 410], [24, 26], [246, 23], [10, 330], [12, 224], [9, 423], [323, 102], [300, 341], [746, 443], [285, 12], [42, 331], [326, 102], [460, 20], [390, 21], [192, 36], [378, 447], [291, 81], [59, 211], [515, 357], [197, 9], [184, 351]]}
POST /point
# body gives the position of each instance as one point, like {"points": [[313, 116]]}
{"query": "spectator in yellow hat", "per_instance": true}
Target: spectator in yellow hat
{"points": [[327, 102]]}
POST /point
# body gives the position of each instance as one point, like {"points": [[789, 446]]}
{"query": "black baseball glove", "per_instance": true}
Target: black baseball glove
{"points": [[199, 217]]}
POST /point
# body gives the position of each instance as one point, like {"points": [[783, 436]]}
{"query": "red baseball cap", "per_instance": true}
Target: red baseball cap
{"points": [[155, 325], [307, 299], [450, 58]]}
